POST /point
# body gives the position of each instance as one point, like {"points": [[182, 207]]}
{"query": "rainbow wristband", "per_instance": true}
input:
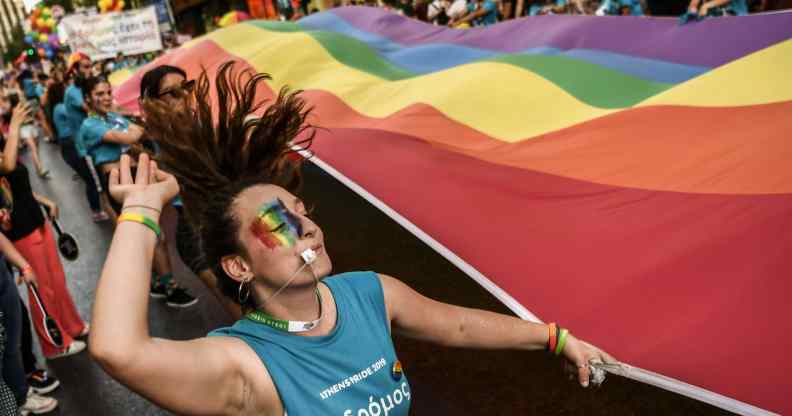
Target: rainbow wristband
{"points": [[552, 337], [140, 219], [562, 337]]}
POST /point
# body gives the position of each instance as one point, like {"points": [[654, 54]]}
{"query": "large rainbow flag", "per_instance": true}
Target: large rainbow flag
{"points": [[627, 177]]}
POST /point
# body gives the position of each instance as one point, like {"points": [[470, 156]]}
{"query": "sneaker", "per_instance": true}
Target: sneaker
{"points": [[36, 405], [75, 348], [41, 382], [44, 174], [100, 216], [158, 290], [179, 298]]}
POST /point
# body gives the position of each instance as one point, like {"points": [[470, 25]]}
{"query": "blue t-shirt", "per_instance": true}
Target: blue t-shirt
{"points": [[537, 7], [490, 18], [90, 138], [39, 90], [353, 368], [29, 88], [73, 101], [62, 123], [739, 7]]}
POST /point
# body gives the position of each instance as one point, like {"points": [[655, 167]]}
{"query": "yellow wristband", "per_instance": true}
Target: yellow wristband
{"points": [[140, 219]]}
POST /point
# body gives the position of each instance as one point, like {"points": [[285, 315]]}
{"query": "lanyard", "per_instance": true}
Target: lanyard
{"points": [[284, 325]]}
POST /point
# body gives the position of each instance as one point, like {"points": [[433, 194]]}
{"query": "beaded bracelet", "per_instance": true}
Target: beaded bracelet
{"points": [[562, 338], [140, 219]]}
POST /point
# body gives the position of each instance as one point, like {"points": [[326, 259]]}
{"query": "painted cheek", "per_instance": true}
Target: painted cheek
{"points": [[295, 225], [262, 233]]}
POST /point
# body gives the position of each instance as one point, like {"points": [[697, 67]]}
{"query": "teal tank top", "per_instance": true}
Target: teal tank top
{"points": [[352, 371]]}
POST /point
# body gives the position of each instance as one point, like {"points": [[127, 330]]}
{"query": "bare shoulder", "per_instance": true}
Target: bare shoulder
{"points": [[258, 393], [393, 288], [395, 293]]}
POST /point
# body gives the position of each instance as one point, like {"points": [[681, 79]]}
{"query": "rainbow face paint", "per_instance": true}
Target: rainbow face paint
{"points": [[276, 226]]}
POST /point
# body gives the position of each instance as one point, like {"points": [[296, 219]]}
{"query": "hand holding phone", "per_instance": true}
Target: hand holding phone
{"points": [[21, 114]]}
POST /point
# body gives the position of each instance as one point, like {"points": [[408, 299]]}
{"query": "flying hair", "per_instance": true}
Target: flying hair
{"points": [[218, 149], [208, 152]]}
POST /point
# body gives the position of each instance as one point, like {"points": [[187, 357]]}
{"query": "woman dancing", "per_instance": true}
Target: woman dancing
{"points": [[310, 343]]}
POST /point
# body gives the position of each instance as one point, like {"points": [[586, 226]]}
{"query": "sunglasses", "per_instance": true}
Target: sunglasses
{"points": [[186, 87]]}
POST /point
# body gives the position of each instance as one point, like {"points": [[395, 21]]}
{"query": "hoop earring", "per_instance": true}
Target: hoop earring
{"points": [[243, 300]]}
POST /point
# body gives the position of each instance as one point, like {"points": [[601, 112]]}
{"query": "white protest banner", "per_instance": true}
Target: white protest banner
{"points": [[102, 36]]}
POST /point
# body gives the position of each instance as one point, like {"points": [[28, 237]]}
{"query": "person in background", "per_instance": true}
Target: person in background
{"points": [[441, 12], [13, 372], [64, 132], [8, 404], [78, 70], [23, 223], [97, 69], [120, 61], [169, 85], [105, 136], [547, 7], [45, 114], [30, 132], [56, 77], [479, 13], [698, 10], [620, 8]]}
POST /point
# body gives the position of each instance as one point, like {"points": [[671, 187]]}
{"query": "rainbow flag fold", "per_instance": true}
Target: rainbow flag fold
{"points": [[626, 176]]}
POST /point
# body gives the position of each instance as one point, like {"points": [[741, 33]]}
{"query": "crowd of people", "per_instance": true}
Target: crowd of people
{"points": [[240, 229], [67, 102], [468, 13]]}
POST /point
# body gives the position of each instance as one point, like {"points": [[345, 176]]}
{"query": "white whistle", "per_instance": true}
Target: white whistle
{"points": [[308, 256]]}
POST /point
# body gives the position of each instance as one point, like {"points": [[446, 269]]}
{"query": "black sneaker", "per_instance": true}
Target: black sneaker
{"points": [[179, 298], [158, 290], [41, 382]]}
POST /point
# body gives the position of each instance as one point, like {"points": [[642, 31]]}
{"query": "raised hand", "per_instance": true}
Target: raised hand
{"points": [[150, 187], [20, 115]]}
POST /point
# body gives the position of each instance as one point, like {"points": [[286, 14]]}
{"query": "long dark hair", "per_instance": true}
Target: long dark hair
{"points": [[88, 85], [150, 83], [55, 93], [216, 156]]}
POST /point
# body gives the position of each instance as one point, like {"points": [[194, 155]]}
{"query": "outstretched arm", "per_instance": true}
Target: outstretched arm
{"points": [[705, 8], [469, 17], [200, 376], [416, 316], [131, 136]]}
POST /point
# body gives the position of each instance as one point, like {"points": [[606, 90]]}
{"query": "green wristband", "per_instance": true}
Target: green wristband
{"points": [[562, 337], [141, 219]]}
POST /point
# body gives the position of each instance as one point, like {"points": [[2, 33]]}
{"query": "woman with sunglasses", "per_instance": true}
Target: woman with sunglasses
{"points": [[311, 343], [168, 84], [105, 136]]}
